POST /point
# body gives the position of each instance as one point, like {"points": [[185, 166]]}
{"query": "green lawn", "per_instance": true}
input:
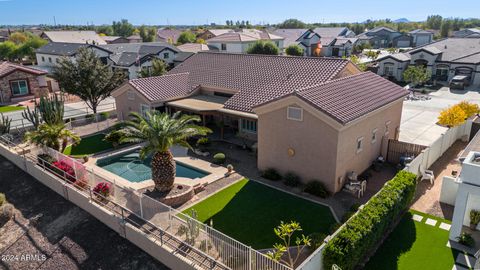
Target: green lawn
{"points": [[4, 109], [415, 245], [88, 145], [248, 211]]}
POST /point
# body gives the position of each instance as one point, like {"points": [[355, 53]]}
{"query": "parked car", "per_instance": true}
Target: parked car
{"points": [[459, 82]]}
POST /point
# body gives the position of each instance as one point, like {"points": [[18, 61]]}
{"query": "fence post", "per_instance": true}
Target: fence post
{"points": [[141, 204], [169, 217], [249, 258]]}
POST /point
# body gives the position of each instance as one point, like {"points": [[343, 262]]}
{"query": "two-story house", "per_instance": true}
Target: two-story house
{"points": [[327, 41]]}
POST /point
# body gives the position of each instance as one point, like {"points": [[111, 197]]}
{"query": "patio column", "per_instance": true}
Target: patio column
{"points": [[459, 211], [203, 119]]}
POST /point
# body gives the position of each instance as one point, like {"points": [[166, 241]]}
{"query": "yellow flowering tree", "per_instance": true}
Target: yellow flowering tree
{"points": [[470, 109], [452, 116]]}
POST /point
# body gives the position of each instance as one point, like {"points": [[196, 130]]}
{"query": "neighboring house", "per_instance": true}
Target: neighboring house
{"points": [[196, 47], [211, 33], [134, 39], [168, 35], [290, 36], [384, 37], [81, 37], [4, 34], [20, 82], [421, 37], [114, 39], [129, 57], [327, 41], [318, 117], [444, 59], [467, 33], [240, 42], [180, 57]]}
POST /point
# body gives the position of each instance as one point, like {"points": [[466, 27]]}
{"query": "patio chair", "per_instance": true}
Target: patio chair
{"points": [[427, 175]]}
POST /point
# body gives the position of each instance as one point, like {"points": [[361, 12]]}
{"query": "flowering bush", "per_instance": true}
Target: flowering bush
{"points": [[102, 189], [62, 167]]}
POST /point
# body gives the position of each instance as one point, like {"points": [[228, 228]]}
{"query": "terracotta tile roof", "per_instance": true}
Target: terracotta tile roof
{"points": [[162, 88], [81, 37], [167, 34], [257, 78], [7, 68], [349, 98], [195, 47]]}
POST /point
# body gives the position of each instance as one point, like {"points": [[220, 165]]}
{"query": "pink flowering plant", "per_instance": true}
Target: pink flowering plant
{"points": [[102, 189], [63, 168]]}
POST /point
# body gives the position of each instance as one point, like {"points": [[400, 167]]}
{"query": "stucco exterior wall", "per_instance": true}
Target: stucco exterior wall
{"points": [[125, 105], [398, 68]]}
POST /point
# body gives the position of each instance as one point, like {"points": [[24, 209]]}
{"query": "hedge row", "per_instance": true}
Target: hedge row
{"points": [[362, 234]]}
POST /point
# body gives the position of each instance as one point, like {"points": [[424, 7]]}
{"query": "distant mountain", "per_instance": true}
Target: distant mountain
{"points": [[401, 20]]}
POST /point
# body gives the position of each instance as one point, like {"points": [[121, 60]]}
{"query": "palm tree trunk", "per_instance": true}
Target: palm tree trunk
{"points": [[163, 170]]}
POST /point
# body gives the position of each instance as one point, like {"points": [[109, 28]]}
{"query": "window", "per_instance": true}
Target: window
{"points": [[166, 55], [277, 44], [131, 95], [249, 126], [144, 108], [374, 136], [43, 58], [19, 88], [359, 145], [50, 59], [224, 47], [295, 113], [388, 69]]}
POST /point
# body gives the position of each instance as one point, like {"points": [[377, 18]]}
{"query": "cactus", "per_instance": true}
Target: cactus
{"points": [[33, 116], [51, 109], [191, 229], [5, 123]]}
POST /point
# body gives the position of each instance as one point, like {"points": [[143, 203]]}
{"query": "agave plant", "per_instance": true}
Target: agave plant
{"points": [[53, 136], [160, 131], [5, 123]]}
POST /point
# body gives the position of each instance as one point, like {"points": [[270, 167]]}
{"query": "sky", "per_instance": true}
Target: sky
{"points": [[194, 12]]}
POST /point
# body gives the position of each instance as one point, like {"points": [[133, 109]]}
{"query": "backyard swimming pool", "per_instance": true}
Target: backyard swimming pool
{"points": [[129, 166]]}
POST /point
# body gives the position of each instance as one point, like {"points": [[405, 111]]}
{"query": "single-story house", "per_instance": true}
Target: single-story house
{"points": [[318, 117], [467, 33], [211, 33], [240, 42], [168, 35], [81, 37], [114, 39], [444, 59], [196, 47], [20, 82], [384, 37], [130, 57], [327, 41], [421, 37]]}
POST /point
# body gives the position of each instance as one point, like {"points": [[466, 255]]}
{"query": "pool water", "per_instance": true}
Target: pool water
{"points": [[129, 166]]}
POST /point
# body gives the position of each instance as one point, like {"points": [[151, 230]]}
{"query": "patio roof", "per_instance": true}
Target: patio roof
{"points": [[200, 103]]}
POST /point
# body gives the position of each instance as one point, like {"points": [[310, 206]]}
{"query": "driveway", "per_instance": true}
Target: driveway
{"points": [[419, 117], [52, 233]]}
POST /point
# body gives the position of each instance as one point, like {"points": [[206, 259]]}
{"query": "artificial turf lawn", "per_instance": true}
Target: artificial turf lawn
{"points": [[88, 145], [248, 211], [415, 245], [4, 109]]}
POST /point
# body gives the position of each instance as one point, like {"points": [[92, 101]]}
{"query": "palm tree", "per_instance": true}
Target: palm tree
{"points": [[160, 131], [55, 136]]}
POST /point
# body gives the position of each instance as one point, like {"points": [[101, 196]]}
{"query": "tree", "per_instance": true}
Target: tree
{"points": [[445, 28], [200, 41], [355, 60], [54, 136], [147, 34], [451, 117], [417, 75], [159, 132], [28, 48], [263, 47], [294, 50], [158, 69], [122, 28], [87, 77], [186, 37], [105, 29], [7, 50], [293, 24], [18, 37], [434, 22], [285, 232], [372, 54]]}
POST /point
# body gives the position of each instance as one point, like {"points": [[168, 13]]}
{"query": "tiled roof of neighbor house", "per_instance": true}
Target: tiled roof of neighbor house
{"points": [[61, 48], [134, 37], [257, 78], [341, 40], [421, 31], [399, 56], [110, 38], [351, 97], [290, 35], [182, 56], [244, 37], [163, 88], [167, 34], [430, 49], [195, 47], [126, 54], [7, 68], [74, 37], [330, 31], [380, 28], [217, 32]]}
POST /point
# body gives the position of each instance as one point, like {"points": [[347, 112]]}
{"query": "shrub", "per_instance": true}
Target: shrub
{"points": [[452, 116], [316, 188], [102, 190], [466, 239], [6, 213], [291, 179], [104, 115], [63, 169], [362, 234], [474, 218], [2, 199], [89, 116], [219, 158], [468, 108], [203, 141], [271, 174], [316, 240], [45, 158]]}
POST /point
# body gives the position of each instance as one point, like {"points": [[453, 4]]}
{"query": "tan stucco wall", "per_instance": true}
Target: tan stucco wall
{"points": [[313, 141], [124, 105]]}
